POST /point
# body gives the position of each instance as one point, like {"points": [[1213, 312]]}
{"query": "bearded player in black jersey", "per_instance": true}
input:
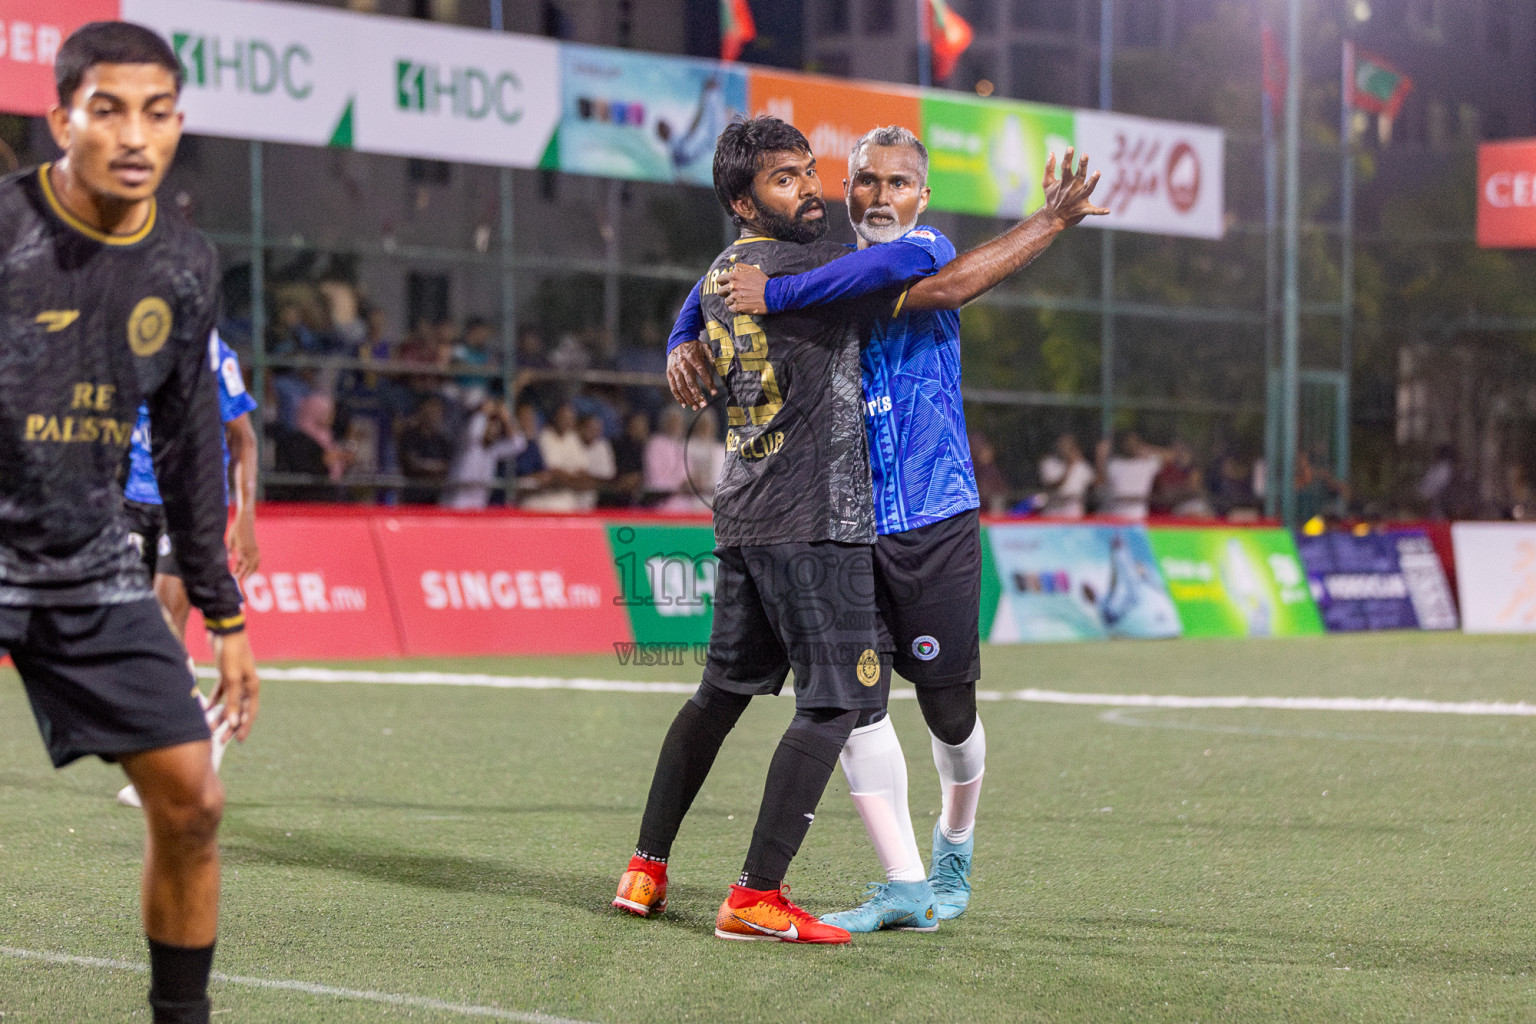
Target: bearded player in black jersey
{"points": [[104, 302], [794, 528]]}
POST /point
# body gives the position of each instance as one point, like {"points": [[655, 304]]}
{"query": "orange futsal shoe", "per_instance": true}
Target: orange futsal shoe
{"points": [[766, 915], [643, 887]]}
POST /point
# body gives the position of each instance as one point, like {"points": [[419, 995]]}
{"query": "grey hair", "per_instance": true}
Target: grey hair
{"points": [[890, 135]]}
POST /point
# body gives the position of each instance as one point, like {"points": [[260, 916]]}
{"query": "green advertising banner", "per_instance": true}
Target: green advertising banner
{"points": [[1236, 582], [986, 156], [666, 580]]}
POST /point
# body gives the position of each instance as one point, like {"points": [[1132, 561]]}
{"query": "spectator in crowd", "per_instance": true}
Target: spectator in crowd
{"points": [[490, 438], [1232, 494], [1438, 483], [565, 461], [629, 463], [1316, 488], [531, 359], [705, 459], [528, 467], [991, 486], [666, 457], [1067, 478], [474, 348], [1126, 479], [425, 452], [345, 328], [1519, 498], [309, 448], [601, 465], [1179, 487]]}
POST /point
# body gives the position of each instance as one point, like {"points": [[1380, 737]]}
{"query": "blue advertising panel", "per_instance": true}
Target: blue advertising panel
{"points": [[1377, 581], [1078, 582], [644, 117]]}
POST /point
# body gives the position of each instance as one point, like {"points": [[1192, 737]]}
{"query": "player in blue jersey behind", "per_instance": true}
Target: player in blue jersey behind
{"points": [[146, 515], [928, 553]]}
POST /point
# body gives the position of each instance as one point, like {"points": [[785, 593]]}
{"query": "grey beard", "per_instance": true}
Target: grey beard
{"points": [[879, 235]]}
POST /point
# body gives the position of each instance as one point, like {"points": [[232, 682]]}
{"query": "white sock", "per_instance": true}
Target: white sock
{"points": [[960, 770], [877, 780]]}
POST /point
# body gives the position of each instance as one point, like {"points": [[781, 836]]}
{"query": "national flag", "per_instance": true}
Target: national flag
{"points": [[1274, 70], [950, 36], [1373, 84], [737, 28]]}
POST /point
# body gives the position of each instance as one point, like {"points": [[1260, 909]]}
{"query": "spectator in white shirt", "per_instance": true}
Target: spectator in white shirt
{"points": [[1127, 478], [489, 438], [601, 467], [1067, 477], [565, 460]]}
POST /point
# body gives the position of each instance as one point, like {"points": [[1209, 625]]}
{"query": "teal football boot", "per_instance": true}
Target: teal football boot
{"points": [[951, 874], [903, 906]]}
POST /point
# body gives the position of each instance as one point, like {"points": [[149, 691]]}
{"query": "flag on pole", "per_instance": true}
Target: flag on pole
{"points": [[1374, 85], [951, 35], [1274, 72], [736, 28]]}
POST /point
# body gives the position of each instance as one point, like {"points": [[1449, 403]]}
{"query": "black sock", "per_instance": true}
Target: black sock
{"points": [[798, 775], [687, 754], [178, 983]]}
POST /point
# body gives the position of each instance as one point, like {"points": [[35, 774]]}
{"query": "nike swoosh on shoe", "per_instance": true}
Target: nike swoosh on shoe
{"points": [[791, 935]]}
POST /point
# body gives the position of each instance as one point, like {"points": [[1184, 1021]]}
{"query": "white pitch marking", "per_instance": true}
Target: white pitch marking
{"points": [[1388, 705], [391, 998]]}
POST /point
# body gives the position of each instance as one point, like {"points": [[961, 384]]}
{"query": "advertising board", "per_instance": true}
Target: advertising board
{"points": [[666, 580], [30, 35], [1506, 194], [1163, 177], [1377, 581], [1228, 582], [832, 113], [1496, 576]]}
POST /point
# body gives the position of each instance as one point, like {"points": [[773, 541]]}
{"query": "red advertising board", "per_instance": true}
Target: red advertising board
{"points": [[31, 32], [319, 593], [502, 586], [1506, 194]]}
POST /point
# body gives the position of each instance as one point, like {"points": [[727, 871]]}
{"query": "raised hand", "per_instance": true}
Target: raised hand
{"points": [[1069, 198]]}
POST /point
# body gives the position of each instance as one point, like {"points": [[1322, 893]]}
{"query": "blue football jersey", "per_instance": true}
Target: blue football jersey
{"points": [[918, 446], [234, 402]]}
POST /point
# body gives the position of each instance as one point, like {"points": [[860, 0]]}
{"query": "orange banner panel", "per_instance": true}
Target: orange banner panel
{"points": [[1506, 194], [832, 113], [31, 32]]}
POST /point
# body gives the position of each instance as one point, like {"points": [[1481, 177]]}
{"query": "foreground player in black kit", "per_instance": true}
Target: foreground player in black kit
{"points": [[104, 303], [794, 525]]}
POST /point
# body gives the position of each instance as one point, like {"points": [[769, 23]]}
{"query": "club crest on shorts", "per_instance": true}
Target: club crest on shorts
{"points": [[925, 648], [869, 667]]}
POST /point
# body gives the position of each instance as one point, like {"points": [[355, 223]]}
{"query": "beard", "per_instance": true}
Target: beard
{"points": [[876, 234], [796, 228]]}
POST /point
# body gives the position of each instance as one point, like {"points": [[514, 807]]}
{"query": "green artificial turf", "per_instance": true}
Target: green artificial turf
{"points": [[462, 844]]}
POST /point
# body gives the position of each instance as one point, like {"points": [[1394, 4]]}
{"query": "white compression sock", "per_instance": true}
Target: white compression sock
{"points": [[960, 771], [877, 780]]}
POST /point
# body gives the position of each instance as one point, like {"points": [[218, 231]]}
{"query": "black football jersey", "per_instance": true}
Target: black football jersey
{"points": [[797, 456], [90, 326]]}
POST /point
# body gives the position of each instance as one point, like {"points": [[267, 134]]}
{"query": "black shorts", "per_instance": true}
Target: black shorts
{"points": [[808, 607], [107, 680], [146, 527], [928, 590]]}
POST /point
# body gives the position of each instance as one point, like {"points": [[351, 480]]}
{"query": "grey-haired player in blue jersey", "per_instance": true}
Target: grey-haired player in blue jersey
{"points": [[928, 554]]}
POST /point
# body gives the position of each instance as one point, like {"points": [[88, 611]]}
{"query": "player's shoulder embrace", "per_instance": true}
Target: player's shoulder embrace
{"points": [[932, 239]]}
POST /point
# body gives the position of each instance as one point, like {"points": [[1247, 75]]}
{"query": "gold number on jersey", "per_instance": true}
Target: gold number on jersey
{"points": [[745, 347]]}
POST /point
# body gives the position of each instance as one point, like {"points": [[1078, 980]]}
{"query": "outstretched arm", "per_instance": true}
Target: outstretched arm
{"points": [[688, 360], [746, 289], [1067, 201]]}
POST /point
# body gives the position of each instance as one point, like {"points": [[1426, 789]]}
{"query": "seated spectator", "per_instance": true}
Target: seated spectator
{"points": [[528, 467], [425, 452], [991, 486], [490, 438], [629, 463], [565, 462], [1127, 478], [1067, 477], [601, 467], [1179, 487], [310, 448], [666, 457], [1232, 494], [1316, 488]]}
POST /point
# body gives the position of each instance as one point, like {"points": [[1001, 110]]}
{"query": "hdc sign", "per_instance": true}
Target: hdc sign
{"points": [[1506, 194]]}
